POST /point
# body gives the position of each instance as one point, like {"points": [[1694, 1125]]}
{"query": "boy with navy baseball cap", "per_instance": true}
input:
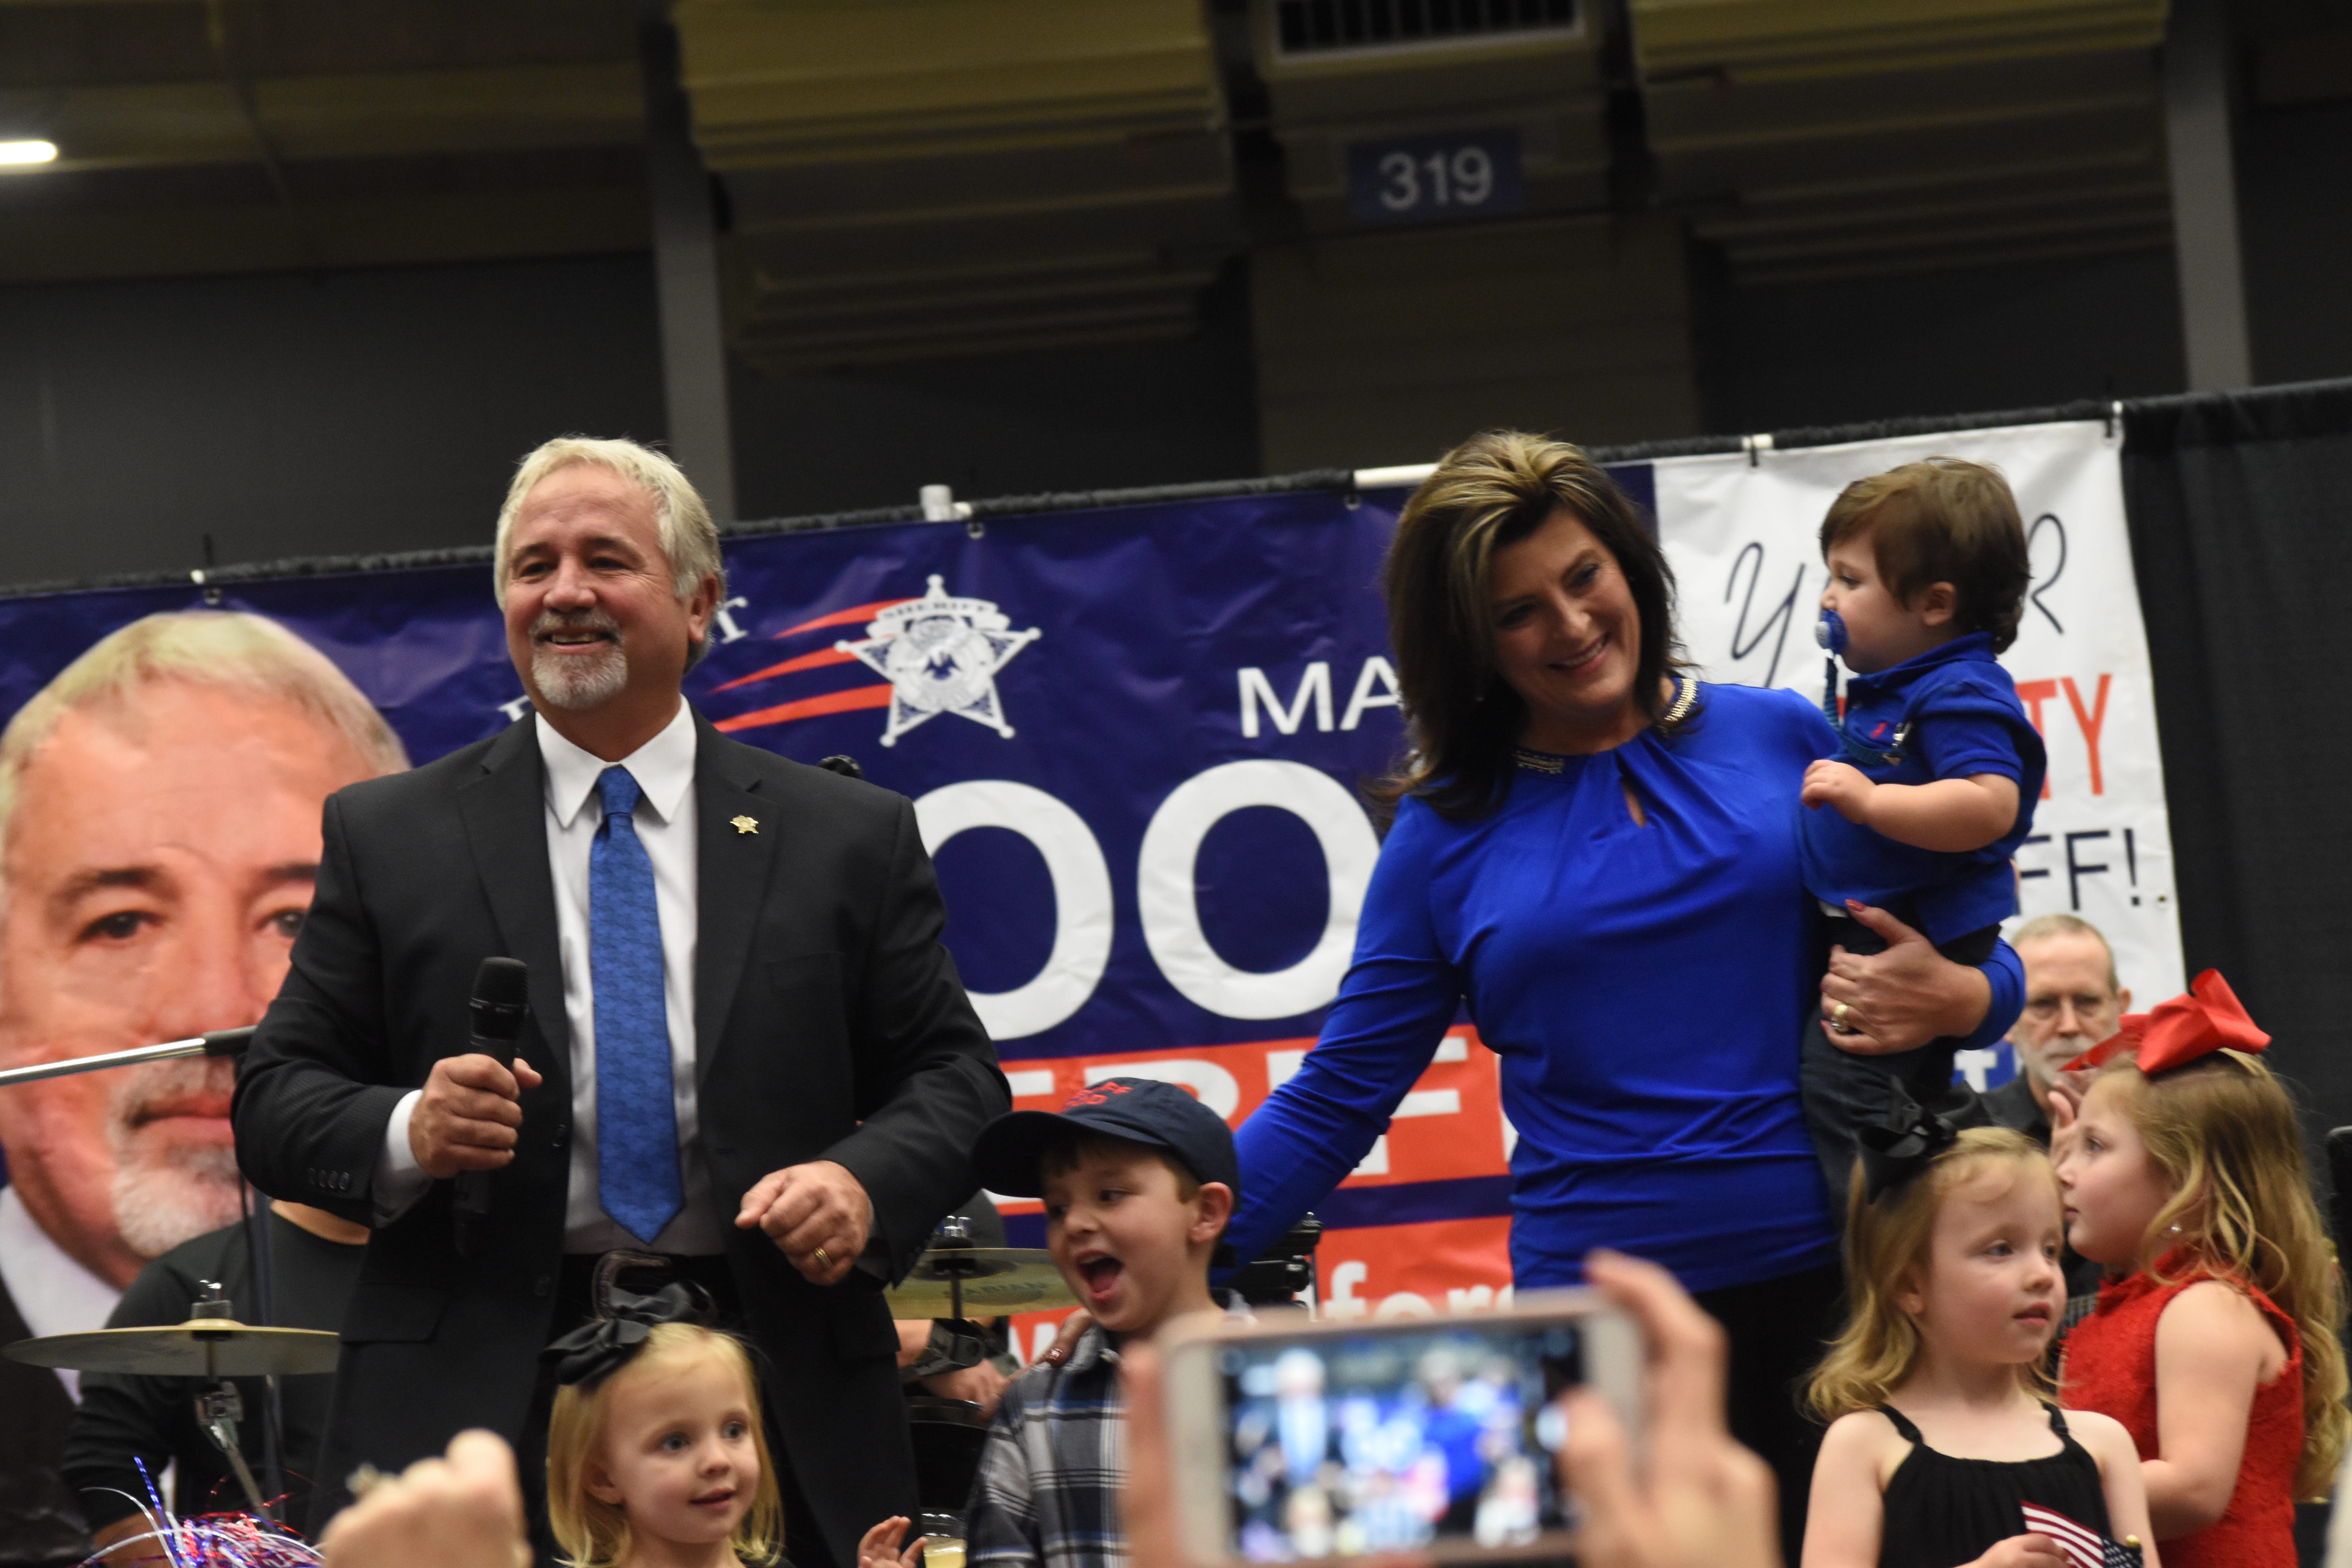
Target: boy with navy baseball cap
{"points": [[1138, 1180]]}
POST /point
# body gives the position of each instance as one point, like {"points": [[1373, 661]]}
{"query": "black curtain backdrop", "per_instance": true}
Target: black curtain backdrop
{"points": [[2241, 512]]}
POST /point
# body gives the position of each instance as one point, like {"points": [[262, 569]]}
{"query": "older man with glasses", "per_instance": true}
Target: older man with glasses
{"points": [[2072, 1003]]}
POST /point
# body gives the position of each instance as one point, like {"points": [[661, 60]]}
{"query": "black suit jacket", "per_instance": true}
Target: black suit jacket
{"points": [[829, 1024], [40, 1527]]}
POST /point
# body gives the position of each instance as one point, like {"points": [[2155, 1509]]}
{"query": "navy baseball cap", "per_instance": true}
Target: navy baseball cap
{"points": [[1140, 1109]]}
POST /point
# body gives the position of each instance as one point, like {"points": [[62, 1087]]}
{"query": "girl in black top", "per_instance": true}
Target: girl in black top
{"points": [[1942, 1450]]}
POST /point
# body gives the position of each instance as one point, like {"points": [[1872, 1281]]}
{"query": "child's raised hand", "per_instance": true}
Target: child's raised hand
{"points": [[2028, 1550], [878, 1547], [1841, 784]]}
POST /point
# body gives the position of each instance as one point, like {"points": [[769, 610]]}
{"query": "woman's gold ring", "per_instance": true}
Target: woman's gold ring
{"points": [[1838, 1018], [821, 1260]]}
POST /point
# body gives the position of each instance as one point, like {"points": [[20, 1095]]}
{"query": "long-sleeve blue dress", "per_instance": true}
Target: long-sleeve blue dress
{"points": [[1645, 987]]}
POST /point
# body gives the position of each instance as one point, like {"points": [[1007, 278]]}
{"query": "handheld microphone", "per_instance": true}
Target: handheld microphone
{"points": [[500, 1003]]}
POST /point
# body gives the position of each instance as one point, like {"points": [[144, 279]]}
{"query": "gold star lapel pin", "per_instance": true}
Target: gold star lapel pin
{"points": [[745, 824]]}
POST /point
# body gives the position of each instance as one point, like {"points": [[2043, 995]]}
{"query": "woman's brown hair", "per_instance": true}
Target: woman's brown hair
{"points": [[2223, 1131], [1463, 720]]}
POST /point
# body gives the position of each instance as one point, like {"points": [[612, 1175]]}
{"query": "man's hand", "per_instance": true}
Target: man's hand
{"points": [[1700, 1500], [462, 1512], [469, 1116], [983, 1385], [818, 1214], [1901, 998], [1841, 784]]}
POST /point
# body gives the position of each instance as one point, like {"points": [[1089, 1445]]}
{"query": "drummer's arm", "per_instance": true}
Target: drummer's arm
{"points": [[120, 1534], [980, 1384]]}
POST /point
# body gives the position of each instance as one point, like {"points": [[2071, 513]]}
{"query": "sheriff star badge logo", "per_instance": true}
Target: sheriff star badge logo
{"points": [[940, 655]]}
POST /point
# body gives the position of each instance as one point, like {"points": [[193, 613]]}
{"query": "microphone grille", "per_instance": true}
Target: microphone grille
{"points": [[502, 983]]}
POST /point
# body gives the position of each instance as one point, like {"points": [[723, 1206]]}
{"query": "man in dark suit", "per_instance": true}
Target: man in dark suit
{"points": [[745, 1049]]}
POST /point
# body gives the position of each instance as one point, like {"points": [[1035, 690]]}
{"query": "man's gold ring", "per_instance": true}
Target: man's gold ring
{"points": [[1838, 1015], [821, 1260]]}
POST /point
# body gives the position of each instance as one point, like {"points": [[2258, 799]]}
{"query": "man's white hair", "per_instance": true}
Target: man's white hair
{"points": [[689, 540], [226, 650], [2042, 927]]}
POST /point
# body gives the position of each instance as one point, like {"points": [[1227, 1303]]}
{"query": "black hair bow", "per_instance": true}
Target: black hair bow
{"points": [[1903, 1145], [602, 1346]]}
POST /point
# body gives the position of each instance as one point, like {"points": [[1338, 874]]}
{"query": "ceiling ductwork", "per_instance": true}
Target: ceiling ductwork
{"points": [[270, 135], [912, 178], [1867, 136]]}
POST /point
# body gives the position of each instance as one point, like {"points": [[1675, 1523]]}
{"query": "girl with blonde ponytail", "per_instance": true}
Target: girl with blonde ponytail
{"points": [[2215, 1342]]}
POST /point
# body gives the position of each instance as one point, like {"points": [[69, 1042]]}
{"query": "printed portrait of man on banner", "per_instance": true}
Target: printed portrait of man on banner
{"points": [[160, 803]]}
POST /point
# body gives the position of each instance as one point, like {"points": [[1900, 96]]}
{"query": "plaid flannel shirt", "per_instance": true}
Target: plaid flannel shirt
{"points": [[1047, 1495]]}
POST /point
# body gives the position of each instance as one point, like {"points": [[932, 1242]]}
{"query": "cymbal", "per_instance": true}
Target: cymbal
{"points": [[997, 1280], [201, 1347]]}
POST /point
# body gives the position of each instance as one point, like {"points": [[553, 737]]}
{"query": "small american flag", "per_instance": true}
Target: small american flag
{"points": [[2084, 1547]]}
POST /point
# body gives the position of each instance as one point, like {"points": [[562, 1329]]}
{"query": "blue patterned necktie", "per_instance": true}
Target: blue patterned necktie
{"points": [[636, 1117]]}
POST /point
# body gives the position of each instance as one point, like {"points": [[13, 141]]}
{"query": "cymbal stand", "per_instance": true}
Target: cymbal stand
{"points": [[220, 1406], [954, 1231], [218, 1410]]}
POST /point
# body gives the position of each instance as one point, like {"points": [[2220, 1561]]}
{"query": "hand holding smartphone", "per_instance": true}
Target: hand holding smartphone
{"points": [[1297, 1442]]}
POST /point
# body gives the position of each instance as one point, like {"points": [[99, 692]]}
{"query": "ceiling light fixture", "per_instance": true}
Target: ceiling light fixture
{"points": [[28, 152]]}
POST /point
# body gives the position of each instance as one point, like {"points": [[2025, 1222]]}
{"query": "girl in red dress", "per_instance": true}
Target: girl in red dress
{"points": [[2214, 1342]]}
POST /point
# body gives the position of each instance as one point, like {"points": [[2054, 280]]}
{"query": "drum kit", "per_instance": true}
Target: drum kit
{"points": [[211, 1346], [963, 1281], [955, 1280]]}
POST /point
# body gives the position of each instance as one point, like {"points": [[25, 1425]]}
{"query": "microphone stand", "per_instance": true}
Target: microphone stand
{"points": [[218, 1043]]}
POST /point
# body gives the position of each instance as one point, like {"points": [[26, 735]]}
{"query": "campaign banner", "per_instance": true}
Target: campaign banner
{"points": [[1743, 532], [1135, 738]]}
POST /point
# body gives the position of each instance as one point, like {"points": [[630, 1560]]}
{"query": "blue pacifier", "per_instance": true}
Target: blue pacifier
{"points": [[1830, 632]]}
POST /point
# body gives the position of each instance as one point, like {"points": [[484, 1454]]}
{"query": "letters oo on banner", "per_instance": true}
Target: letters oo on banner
{"points": [[1743, 534]]}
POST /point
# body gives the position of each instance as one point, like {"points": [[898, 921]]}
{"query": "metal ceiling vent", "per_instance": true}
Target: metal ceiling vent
{"points": [[1324, 27]]}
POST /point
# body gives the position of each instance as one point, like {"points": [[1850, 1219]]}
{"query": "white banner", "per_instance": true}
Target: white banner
{"points": [[1743, 532]]}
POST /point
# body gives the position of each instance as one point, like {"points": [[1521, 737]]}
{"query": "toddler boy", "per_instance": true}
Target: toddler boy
{"points": [[1934, 788], [1138, 1180]]}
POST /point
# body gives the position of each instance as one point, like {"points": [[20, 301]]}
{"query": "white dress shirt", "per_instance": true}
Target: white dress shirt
{"points": [[665, 824], [53, 1292]]}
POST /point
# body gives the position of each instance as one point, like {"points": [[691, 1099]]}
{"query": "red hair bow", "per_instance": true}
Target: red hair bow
{"points": [[2173, 1033]]}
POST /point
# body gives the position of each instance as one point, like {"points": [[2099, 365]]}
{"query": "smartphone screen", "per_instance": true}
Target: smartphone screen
{"points": [[1392, 1440]]}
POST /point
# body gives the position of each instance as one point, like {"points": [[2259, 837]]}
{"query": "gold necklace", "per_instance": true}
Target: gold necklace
{"points": [[1686, 697]]}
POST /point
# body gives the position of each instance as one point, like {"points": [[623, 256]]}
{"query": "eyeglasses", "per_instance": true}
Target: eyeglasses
{"points": [[2044, 1008]]}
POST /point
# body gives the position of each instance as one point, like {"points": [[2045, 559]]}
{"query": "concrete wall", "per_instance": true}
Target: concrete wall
{"points": [[382, 410]]}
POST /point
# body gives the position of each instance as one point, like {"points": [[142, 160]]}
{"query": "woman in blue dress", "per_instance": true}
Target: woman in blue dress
{"points": [[1597, 856]]}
